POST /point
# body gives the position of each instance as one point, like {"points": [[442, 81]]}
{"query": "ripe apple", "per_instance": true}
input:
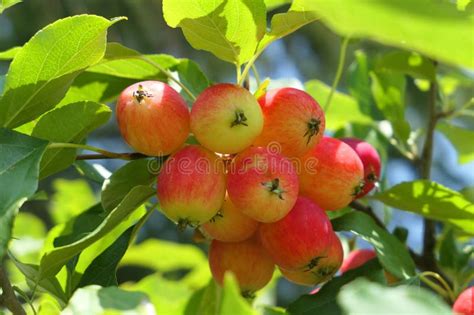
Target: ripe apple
{"points": [[230, 224], [247, 260], [263, 185], [357, 258], [371, 161], [153, 118], [293, 119], [325, 269], [464, 304], [331, 174], [301, 239], [226, 118], [191, 186]]}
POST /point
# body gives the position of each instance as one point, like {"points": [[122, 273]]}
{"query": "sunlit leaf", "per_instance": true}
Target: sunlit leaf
{"points": [[229, 29], [431, 200], [43, 69], [425, 26]]}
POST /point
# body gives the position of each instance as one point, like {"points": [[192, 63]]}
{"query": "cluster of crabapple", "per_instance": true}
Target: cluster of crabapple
{"points": [[260, 180]]}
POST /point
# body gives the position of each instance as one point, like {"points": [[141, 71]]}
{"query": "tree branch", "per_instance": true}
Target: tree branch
{"points": [[123, 156], [8, 298]]}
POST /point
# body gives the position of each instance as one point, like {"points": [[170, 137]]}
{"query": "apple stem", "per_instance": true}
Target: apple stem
{"points": [[103, 154], [240, 119], [313, 129], [274, 187]]}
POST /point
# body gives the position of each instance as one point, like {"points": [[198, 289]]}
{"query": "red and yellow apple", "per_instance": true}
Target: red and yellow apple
{"points": [[357, 258], [262, 184], [292, 119], [247, 260], [331, 174], [191, 186], [153, 118], [226, 118], [230, 224], [325, 269], [301, 239]]}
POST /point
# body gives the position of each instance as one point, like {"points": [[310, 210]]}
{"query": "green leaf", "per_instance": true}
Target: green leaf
{"points": [[273, 4], [19, 168], [364, 297], [344, 108], [134, 173], [393, 254], [461, 138], [450, 257], [94, 172], [230, 29], [69, 124], [191, 75], [5, 4], [9, 54], [70, 198], [95, 87], [358, 81], [300, 13], [389, 94], [168, 297], [429, 27], [49, 284], [102, 271], [43, 69], [130, 67], [216, 300], [94, 300], [324, 302], [54, 259], [433, 201], [408, 63]]}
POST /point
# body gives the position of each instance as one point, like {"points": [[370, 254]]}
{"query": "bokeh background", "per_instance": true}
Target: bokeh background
{"points": [[311, 53]]}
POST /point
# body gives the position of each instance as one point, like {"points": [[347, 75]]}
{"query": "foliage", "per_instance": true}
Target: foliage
{"points": [[57, 92]]}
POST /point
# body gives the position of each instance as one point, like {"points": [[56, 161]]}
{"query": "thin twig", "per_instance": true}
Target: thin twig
{"points": [[8, 297], [340, 68], [429, 232]]}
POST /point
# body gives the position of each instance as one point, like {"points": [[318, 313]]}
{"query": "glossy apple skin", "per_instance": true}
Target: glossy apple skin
{"points": [[371, 161], [464, 304], [292, 119], [214, 121], [156, 125], [247, 260], [332, 174], [325, 269], [357, 258], [299, 240], [191, 185], [230, 224], [249, 180]]}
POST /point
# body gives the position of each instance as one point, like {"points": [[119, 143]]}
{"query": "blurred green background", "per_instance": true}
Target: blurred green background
{"points": [[311, 53]]}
